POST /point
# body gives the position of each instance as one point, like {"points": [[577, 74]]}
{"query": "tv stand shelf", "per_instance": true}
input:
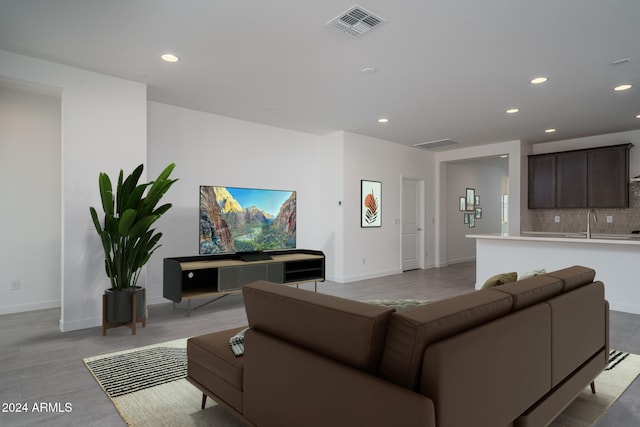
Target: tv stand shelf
{"points": [[214, 276]]}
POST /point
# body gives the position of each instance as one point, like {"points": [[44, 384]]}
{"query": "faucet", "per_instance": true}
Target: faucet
{"points": [[595, 219]]}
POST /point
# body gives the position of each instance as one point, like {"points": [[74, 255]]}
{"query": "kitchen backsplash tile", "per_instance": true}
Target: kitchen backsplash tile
{"points": [[575, 220]]}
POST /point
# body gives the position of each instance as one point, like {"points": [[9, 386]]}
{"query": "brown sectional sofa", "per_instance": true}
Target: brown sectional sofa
{"points": [[516, 354]]}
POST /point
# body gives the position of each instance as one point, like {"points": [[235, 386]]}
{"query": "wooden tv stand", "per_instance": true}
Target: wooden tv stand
{"points": [[215, 276]]}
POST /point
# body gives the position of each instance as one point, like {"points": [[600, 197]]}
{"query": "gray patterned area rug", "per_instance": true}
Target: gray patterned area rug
{"points": [[147, 385], [587, 408]]}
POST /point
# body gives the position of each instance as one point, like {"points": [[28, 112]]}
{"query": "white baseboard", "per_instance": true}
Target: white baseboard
{"points": [[80, 324], [369, 276], [20, 308], [627, 308], [157, 300], [460, 260]]}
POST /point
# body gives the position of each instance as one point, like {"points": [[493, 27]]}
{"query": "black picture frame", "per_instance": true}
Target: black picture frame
{"points": [[370, 204]]}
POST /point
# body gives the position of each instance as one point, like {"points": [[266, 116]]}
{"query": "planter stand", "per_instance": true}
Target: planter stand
{"points": [[110, 325]]}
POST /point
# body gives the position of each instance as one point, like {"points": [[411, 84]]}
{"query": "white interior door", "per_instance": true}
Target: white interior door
{"points": [[412, 219]]}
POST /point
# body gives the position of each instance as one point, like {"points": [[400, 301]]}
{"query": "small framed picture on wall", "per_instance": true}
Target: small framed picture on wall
{"points": [[371, 204]]}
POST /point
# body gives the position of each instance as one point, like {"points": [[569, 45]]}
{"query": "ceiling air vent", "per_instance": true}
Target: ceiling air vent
{"points": [[355, 21], [438, 143]]}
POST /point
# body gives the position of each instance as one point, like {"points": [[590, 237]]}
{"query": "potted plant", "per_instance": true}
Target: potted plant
{"points": [[127, 238]]}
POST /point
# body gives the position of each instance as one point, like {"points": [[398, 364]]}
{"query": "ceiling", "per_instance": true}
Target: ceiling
{"points": [[443, 68]]}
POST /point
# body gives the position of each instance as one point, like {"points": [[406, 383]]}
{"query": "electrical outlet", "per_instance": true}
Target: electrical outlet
{"points": [[14, 285], [609, 219], [364, 261], [557, 218]]}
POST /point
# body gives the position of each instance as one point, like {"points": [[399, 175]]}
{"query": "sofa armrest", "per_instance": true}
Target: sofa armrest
{"points": [[286, 385]]}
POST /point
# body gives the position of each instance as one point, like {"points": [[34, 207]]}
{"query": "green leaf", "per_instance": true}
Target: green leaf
{"points": [[161, 184], [127, 220], [96, 221], [135, 198], [106, 193], [162, 209], [142, 225]]}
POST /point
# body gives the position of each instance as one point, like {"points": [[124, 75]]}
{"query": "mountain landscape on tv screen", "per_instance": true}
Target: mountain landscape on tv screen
{"points": [[227, 226]]}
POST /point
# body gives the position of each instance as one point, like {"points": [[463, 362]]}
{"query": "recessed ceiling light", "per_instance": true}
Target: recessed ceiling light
{"points": [[550, 130], [368, 71], [538, 80], [620, 61], [504, 156], [383, 120], [513, 110], [638, 116], [169, 57], [622, 87]]}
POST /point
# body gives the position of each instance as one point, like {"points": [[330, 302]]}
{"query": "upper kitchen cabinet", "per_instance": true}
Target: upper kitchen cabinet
{"points": [[571, 181], [542, 181], [608, 173], [590, 178]]}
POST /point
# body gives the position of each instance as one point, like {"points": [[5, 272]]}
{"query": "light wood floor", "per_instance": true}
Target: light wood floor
{"points": [[40, 364]]}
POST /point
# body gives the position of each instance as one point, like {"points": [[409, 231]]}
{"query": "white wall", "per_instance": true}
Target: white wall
{"points": [[387, 162], [103, 128], [30, 171], [332, 224], [517, 153], [325, 171], [486, 179], [214, 150]]}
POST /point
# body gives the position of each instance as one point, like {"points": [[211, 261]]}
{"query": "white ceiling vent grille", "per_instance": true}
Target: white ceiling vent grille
{"points": [[438, 143], [355, 21]]}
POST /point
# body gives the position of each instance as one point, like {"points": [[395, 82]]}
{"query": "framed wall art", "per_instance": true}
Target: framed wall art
{"points": [[471, 199], [469, 205], [371, 204]]}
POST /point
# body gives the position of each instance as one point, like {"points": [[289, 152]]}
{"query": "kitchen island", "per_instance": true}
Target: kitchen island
{"points": [[615, 258]]}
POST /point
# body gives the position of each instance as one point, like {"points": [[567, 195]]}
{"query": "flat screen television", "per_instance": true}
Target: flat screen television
{"points": [[245, 220]]}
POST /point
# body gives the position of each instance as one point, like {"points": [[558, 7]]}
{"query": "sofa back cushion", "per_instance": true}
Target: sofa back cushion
{"points": [[411, 331], [350, 332], [531, 291], [574, 277]]}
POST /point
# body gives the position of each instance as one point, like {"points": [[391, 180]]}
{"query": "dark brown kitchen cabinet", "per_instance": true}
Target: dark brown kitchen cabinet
{"points": [[608, 172], [542, 181], [590, 178], [571, 179]]}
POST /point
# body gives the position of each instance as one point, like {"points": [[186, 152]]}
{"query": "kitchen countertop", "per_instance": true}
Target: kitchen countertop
{"points": [[596, 238], [614, 257]]}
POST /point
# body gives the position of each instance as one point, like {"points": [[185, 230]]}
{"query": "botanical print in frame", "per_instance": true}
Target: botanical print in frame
{"points": [[371, 204]]}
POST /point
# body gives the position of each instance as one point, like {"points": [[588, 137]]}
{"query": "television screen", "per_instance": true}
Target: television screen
{"points": [[246, 219]]}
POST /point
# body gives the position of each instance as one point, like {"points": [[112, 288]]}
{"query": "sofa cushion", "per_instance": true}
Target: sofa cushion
{"points": [[211, 363], [574, 277], [350, 332], [411, 331], [500, 279], [532, 290]]}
